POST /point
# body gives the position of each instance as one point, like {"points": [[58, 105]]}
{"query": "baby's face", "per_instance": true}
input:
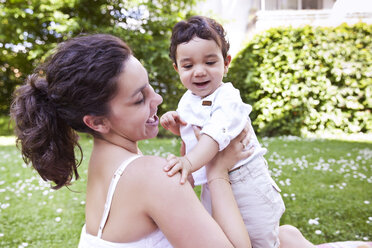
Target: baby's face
{"points": [[200, 66]]}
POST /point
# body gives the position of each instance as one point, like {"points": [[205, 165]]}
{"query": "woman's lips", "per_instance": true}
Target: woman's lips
{"points": [[154, 120]]}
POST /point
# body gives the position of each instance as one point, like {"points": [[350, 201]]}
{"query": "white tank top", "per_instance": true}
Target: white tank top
{"points": [[154, 240]]}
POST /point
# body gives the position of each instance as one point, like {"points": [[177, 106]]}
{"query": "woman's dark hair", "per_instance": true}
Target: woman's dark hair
{"points": [[78, 79], [199, 26]]}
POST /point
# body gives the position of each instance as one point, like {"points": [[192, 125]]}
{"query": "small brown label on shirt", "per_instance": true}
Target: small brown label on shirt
{"points": [[207, 103]]}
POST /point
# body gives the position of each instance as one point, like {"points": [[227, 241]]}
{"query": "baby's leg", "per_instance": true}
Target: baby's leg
{"points": [[259, 202], [291, 237]]}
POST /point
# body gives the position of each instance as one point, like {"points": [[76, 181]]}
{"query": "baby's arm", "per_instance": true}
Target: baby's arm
{"points": [[172, 121], [201, 154]]}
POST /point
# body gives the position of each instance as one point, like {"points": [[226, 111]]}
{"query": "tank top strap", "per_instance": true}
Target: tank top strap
{"points": [[111, 190]]}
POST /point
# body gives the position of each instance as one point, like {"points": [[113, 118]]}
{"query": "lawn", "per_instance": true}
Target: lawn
{"points": [[326, 185]]}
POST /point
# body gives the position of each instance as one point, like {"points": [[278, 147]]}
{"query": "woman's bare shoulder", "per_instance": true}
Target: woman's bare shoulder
{"points": [[150, 170]]}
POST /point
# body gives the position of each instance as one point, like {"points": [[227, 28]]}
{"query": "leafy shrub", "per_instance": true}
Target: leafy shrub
{"points": [[30, 30], [307, 79]]}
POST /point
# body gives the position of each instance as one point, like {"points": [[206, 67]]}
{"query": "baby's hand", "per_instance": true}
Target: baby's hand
{"points": [[176, 164], [172, 121]]}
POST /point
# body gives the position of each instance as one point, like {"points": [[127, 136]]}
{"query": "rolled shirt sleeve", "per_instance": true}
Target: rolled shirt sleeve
{"points": [[228, 117]]}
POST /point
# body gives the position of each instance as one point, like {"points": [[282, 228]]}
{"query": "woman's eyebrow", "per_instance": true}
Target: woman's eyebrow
{"points": [[139, 90]]}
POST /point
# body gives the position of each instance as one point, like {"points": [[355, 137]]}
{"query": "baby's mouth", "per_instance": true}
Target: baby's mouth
{"points": [[201, 84]]}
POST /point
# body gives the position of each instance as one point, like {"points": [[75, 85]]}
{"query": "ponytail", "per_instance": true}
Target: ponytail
{"points": [[46, 141], [80, 79]]}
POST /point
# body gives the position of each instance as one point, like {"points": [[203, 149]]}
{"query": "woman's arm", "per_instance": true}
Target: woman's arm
{"points": [[179, 214], [176, 210], [224, 207]]}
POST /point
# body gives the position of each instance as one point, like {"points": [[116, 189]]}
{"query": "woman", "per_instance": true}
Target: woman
{"points": [[94, 84]]}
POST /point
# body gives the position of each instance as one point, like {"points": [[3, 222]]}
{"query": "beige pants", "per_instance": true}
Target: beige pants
{"points": [[259, 201]]}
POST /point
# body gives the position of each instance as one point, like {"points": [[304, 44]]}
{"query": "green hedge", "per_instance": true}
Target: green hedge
{"points": [[308, 79]]}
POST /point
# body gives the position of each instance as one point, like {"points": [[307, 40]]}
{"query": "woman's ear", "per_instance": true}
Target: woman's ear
{"points": [[227, 63], [97, 123]]}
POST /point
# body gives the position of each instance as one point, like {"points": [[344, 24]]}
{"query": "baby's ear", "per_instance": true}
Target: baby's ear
{"points": [[97, 123], [175, 67], [227, 63], [228, 59]]}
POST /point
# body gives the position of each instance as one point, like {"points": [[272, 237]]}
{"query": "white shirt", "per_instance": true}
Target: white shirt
{"points": [[222, 115]]}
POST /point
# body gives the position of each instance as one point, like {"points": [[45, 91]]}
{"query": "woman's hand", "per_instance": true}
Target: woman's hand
{"points": [[234, 152]]}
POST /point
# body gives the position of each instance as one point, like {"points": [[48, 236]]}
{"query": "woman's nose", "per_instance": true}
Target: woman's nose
{"points": [[157, 99]]}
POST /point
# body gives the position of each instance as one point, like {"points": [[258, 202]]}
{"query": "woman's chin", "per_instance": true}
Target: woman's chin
{"points": [[152, 133]]}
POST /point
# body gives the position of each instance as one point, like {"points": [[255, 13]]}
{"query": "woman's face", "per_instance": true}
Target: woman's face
{"points": [[133, 110]]}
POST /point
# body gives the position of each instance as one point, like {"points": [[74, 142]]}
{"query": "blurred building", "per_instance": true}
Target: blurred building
{"points": [[244, 18]]}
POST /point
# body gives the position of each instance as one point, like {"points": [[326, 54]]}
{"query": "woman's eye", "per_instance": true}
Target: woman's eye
{"points": [[140, 100]]}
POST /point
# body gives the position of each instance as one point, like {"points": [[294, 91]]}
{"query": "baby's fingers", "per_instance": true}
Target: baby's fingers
{"points": [[180, 121], [164, 123], [184, 175], [176, 168], [171, 161]]}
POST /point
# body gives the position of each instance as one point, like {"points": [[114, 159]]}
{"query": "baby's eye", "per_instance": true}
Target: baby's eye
{"points": [[211, 62], [188, 66]]}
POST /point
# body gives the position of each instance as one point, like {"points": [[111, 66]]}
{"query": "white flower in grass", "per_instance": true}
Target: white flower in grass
{"points": [[314, 221], [365, 238], [5, 205], [366, 202], [59, 210], [24, 244], [1, 234], [288, 181], [318, 232], [57, 219], [82, 202]]}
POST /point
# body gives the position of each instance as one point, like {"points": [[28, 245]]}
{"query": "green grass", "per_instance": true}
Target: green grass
{"points": [[328, 182], [5, 126]]}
